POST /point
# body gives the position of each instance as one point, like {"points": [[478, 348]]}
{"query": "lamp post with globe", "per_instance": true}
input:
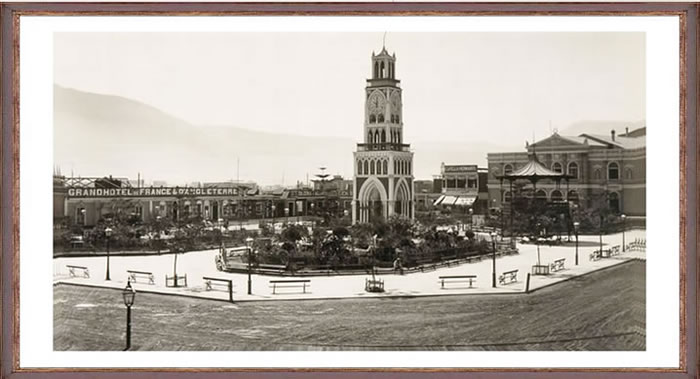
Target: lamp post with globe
{"points": [[128, 293]]}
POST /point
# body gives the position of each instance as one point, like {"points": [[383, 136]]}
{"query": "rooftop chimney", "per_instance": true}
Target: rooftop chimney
{"points": [[627, 132], [612, 134]]}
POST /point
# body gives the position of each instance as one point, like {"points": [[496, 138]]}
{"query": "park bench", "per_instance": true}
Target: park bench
{"points": [[596, 255], [134, 275], [457, 279], [376, 285], [72, 271], [557, 265], [210, 283], [271, 268], [540, 269], [615, 250], [303, 283], [508, 277]]}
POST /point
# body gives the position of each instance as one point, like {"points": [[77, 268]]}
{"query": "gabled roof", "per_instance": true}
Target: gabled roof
{"points": [[621, 142]]}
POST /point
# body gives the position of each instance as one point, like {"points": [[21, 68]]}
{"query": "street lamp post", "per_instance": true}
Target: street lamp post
{"points": [[624, 227], [128, 293], [493, 273], [600, 235], [273, 218], [108, 234], [249, 243], [471, 218], [576, 225]]}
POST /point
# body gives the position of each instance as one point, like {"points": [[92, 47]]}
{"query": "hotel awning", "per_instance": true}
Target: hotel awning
{"points": [[439, 200], [449, 200], [465, 201]]}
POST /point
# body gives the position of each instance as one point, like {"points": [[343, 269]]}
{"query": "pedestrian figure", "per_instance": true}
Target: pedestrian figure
{"points": [[397, 265]]}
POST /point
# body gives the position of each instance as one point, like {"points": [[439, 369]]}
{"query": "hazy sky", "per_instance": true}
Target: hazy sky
{"points": [[457, 86]]}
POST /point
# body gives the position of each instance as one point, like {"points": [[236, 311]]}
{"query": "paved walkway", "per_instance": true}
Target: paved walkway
{"points": [[201, 263]]}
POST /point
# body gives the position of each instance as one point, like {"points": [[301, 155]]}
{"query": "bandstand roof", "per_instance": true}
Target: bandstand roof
{"points": [[534, 170]]}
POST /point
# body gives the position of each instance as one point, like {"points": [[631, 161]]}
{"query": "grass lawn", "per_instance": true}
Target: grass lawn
{"points": [[604, 310]]}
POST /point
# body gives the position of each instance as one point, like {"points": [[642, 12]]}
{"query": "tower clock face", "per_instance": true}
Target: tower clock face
{"points": [[376, 103]]}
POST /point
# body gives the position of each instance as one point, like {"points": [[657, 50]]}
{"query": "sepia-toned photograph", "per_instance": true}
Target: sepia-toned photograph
{"points": [[335, 191]]}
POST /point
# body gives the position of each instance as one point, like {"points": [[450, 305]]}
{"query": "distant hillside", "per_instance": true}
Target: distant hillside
{"points": [[600, 127], [97, 135]]}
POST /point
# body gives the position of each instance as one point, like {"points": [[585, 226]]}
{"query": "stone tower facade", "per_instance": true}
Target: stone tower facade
{"points": [[383, 176]]}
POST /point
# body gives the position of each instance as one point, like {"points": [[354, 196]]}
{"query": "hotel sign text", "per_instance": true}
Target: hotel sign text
{"points": [[151, 192]]}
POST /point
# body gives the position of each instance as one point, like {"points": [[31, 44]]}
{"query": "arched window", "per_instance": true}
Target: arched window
{"points": [[613, 171], [507, 196], [398, 121], [507, 169], [396, 169], [541, 195], [382, 71], [376, 136], [366, 170], [376, 69], [385, 165], [614, 202], [398, 137], [359, 168], [628, 173], [556, 195], [380, 118], [573, 169], [372, 119], [392, 118], [573, 196], [409, 168], [371, 167], [369, 137], [556, 167], [596, 174], [383, 136]]}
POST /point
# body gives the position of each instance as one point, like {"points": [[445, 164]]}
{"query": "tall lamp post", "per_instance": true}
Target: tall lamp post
{"points": [[624, 227], [471, 218], [108, 234], [128, 293], [273, 218], [493, 246], [576, 225], [600, 235], [249, 243]]}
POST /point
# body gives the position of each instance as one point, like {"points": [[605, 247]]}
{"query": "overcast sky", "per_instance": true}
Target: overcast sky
{"points": [[457, 86]]}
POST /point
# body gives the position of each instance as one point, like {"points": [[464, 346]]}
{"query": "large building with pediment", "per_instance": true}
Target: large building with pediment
{"points": [[383, 164], [610, 166]]}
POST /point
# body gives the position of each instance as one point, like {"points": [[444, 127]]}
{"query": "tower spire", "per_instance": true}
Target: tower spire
{"points": [[384, 41]]}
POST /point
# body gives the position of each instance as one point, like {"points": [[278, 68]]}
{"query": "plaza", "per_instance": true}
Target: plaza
{"points": [[200, 264]]}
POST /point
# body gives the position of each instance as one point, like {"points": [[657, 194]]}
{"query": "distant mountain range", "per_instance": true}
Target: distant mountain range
{"points": [[100, 135]]}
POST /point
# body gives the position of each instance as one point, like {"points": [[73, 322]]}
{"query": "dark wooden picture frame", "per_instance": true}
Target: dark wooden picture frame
{"points": [[9, 221]]}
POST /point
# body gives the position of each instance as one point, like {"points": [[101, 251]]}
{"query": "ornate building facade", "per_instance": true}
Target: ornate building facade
{"points": [[383, 164], [603, 167]]}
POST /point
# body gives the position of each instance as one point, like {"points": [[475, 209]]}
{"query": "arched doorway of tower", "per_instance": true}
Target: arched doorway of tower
{"points": [[372, 198], [403, 199]]}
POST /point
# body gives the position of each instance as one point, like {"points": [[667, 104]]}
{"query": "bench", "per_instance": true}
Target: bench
{"points": [[457, 278], [133, 275], [209, 284], [595, 256], [615, 250], [557, 265], [508, 277], [303, 283], [376, 285], [72, 271]]}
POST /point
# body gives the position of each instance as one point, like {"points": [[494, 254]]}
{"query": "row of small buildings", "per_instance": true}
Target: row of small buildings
{"points": [[613, 166]]}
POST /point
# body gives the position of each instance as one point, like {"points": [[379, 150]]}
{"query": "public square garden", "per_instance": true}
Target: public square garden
{"points": [[445, 284]]}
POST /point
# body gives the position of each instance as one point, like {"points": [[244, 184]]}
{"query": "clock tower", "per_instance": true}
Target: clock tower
{"points": [[383, 178]]}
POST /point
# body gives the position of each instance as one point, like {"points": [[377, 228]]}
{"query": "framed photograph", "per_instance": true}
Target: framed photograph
{"points": [[356, 189]]}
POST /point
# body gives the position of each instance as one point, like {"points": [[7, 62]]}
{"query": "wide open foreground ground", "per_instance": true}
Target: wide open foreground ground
{"points": [[604, 310]]}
